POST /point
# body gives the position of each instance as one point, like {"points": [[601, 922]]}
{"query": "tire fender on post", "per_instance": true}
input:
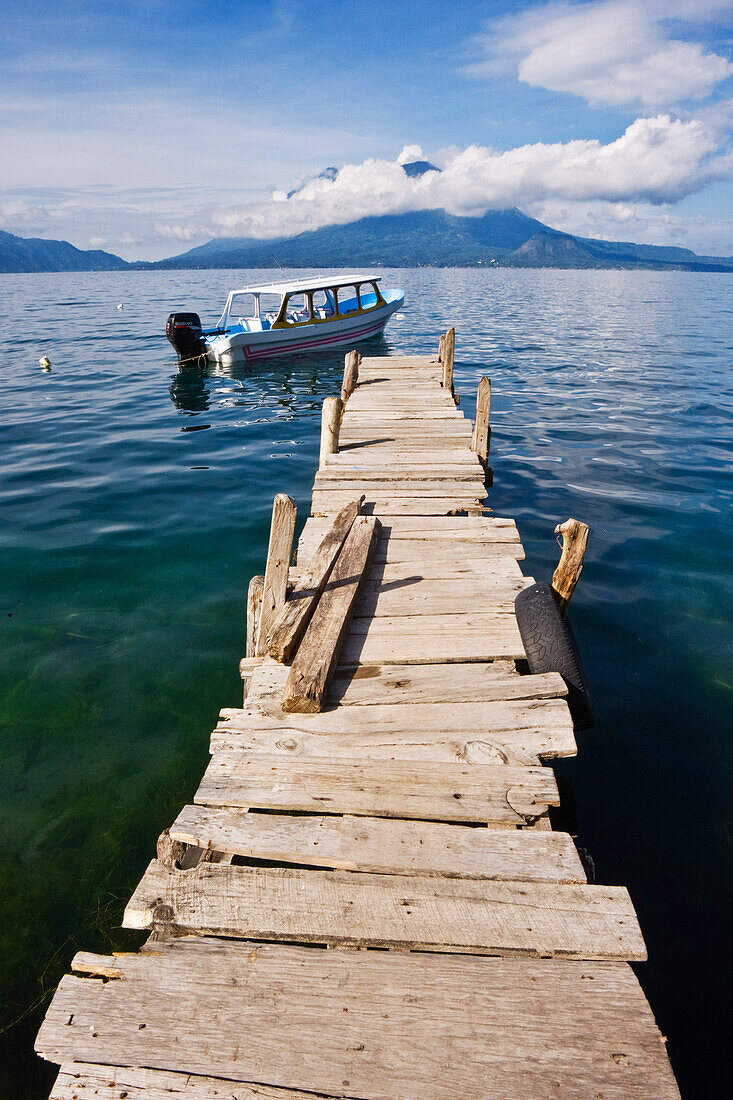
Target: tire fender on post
{"points": [[550, 646]]}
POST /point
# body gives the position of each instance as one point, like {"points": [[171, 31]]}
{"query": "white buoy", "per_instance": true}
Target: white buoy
{"points": [[44, 363]]}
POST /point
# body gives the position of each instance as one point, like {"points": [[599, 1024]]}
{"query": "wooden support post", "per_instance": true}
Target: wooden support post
{"points": [[254, 605], [333, 408], [279, 552], [574, 535], [481, 440], [441, 348], [351, 375], [449, 345]]}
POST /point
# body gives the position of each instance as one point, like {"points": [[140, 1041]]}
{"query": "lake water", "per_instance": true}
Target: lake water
{"points": [[135, 504]]}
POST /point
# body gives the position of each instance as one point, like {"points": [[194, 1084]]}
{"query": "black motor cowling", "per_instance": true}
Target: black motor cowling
{"points": [[184, 332]]}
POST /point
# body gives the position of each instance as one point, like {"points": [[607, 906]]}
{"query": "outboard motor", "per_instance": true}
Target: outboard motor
{"points": [[184, 332]]}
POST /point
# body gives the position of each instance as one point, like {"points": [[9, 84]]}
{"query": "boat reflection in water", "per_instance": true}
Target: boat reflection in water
{"points": [[286, 380]]}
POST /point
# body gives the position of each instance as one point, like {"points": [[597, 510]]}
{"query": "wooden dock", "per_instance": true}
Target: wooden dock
{"points": [[366, 898]]}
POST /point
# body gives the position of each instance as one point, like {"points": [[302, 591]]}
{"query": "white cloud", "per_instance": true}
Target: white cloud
{"points": [[410, 153], [641, 223], [610, 52], [656, 160]]}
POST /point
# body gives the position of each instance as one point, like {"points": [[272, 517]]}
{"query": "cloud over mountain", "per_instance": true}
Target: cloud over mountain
{"points": [[656, 160]]}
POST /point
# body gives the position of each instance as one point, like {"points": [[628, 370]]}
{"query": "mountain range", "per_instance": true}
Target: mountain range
{"points": [[424, 238], [28, 254], [433, 238]]}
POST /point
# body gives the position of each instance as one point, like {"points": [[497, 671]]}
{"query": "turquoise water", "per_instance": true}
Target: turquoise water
{"points": [[135, 503]]}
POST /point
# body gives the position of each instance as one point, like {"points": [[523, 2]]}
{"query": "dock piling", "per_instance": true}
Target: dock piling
{"points": [[574, 536], [351, 375], [447, 352], [481, 439], [333, 409], [279, 553]]}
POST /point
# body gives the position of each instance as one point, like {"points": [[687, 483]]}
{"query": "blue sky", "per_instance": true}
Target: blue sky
{"points": [[148, 127]]}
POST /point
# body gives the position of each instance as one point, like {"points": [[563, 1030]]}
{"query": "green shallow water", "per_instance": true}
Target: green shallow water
{"points": [[135, 506]]}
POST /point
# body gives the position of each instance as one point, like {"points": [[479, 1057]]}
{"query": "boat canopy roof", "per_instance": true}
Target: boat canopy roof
{"points": [[298, 285]]}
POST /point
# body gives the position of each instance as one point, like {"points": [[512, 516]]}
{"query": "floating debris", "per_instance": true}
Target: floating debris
{"points": [[44, 363], [121, 305]]}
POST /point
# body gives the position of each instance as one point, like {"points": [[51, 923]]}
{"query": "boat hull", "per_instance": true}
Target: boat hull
{"points": [[340, 332]]}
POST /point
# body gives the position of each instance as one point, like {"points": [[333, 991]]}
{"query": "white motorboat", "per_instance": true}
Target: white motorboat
{"points": [[275, 319]]}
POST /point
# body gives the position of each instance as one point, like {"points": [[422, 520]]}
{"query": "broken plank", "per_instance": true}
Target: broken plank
{"points": [[385, 845], [291, 624], [320, 648], [318, 1018]]}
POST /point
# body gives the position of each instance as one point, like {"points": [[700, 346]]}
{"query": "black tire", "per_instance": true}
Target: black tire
{"points": [[550, 646]]}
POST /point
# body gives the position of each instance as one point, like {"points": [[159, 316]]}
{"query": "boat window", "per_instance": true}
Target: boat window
{"points": [[297, 309], [324, 305], [368, 295], [244, 309], [348, 300], [243, 306]]}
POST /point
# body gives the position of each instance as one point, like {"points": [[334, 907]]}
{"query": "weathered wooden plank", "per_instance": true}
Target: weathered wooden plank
{"points": [[307, 1019], [525, 745], [537, 727], [484, 916], [435, 639], [418, 434], [326, 503], [279, 552], [469, 488], [384, 845], [320, 648], [437, 567], [385, 788], [290, 625], [438, 533], [420, 550], [370, 685], [84, 1081], [434, 598], [436, 527], [391, 472], [499, 747]]}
